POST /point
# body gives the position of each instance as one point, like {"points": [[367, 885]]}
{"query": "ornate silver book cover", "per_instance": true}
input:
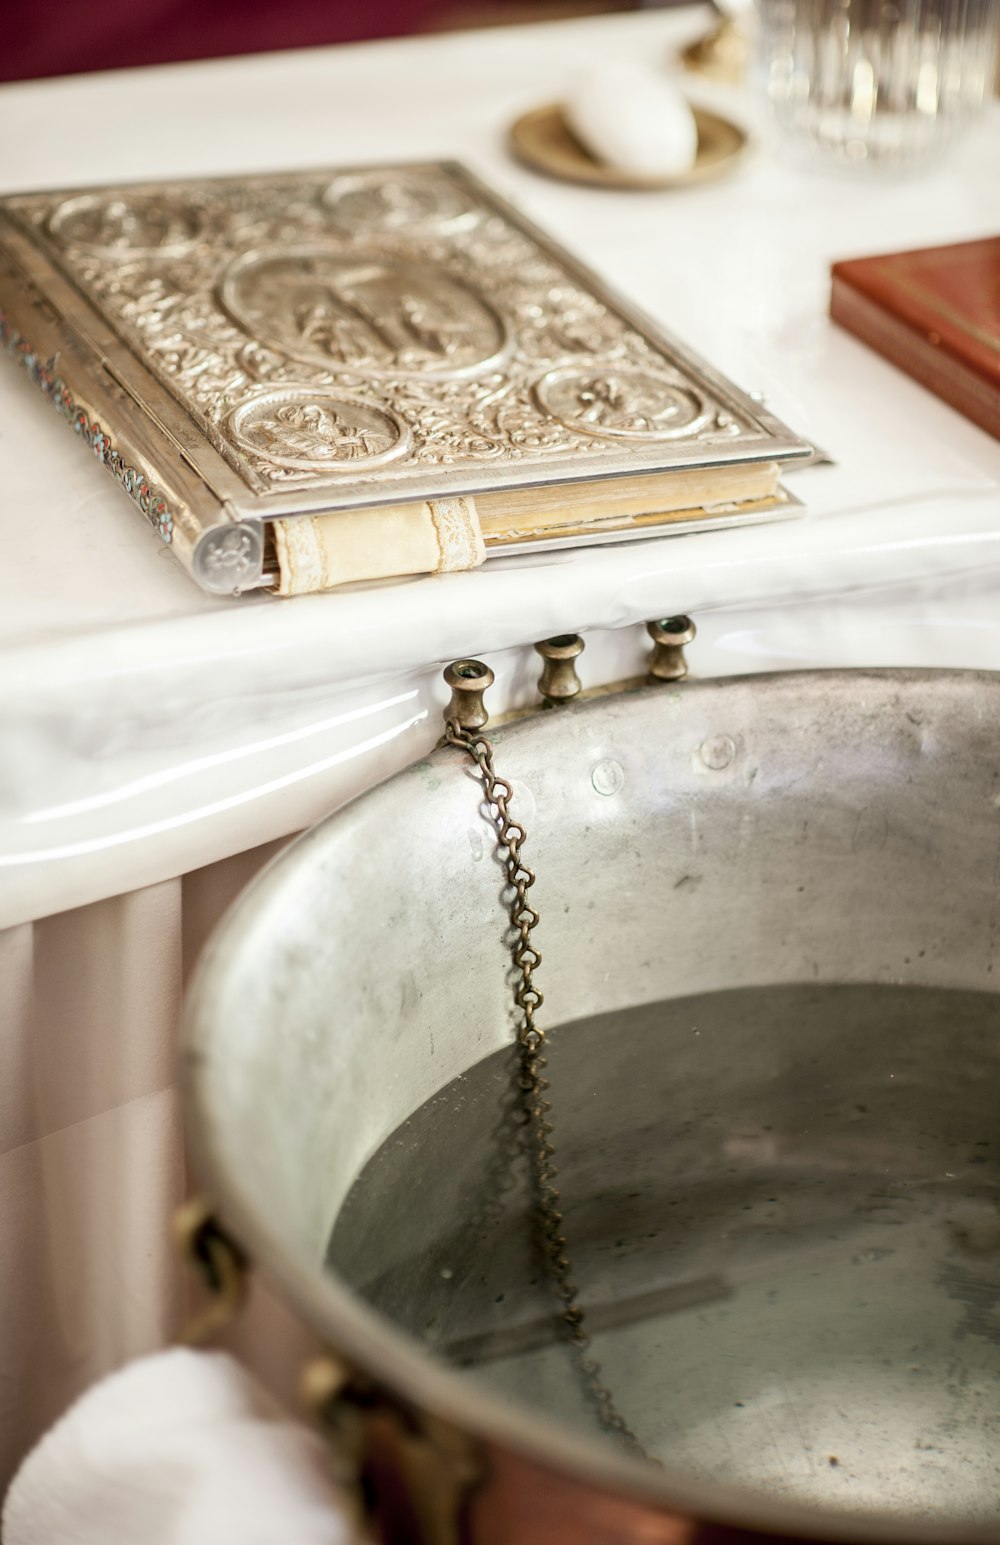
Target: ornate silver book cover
{"points": [[241, 349]]}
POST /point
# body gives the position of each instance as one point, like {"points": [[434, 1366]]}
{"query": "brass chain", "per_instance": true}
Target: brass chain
{"points": [[534, 1085]]}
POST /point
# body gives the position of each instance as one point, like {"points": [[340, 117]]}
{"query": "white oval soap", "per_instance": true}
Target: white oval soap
{"points": [[632, 119]]}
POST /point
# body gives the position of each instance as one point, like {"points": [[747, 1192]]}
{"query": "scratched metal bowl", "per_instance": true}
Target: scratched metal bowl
{"points": [[828, 841]]}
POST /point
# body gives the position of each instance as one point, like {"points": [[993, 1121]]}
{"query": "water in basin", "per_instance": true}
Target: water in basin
{"points": [[782, 1205]]}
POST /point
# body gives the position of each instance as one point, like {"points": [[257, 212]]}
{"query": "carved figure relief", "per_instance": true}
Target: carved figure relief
{"points": [[627, 404], [312, 431], [104, 223], [370, 201], [371, 314]]}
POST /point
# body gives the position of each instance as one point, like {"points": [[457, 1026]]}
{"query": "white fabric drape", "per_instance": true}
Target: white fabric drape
{"points": [[178, 1448], [91, 1152]]}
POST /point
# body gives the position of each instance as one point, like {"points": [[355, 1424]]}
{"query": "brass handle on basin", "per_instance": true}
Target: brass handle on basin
{"points": [[203, 1244], [412, 1473]]}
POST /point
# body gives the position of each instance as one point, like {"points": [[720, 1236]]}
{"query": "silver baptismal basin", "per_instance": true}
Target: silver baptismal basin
{"points": [[769, 921]]}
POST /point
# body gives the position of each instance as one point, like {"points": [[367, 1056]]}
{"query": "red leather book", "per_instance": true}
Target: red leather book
{"points": [[936, 314]]}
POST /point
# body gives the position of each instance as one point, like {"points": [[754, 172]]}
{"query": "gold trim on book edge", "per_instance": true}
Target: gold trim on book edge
{"points": [[932, 301], [501, 540]]}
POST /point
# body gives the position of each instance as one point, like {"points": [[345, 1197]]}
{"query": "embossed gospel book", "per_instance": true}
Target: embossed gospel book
{"points": [[318, 377]]}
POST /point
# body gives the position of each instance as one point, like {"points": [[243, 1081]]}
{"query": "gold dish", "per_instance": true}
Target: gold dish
{"points": [[543, 140]]}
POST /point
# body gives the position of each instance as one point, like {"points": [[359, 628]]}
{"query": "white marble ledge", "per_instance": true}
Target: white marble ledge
{"points": [[149, 729]]}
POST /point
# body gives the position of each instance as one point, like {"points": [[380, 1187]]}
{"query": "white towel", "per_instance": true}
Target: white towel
{"points": [[181, 1448]]}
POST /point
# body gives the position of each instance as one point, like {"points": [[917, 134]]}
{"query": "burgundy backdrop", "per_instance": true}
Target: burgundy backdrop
{"points": [[60, 37]]}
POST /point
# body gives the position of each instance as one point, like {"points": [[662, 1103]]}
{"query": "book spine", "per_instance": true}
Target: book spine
{"points": [[905, 346], [151, 500], [222, 555]]}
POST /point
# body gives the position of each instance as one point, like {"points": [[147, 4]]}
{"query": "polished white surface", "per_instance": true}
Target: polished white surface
{"points": [[149, 729]]}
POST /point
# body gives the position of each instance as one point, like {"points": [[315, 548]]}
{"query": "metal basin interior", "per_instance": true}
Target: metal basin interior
{"points": [[723, 836]]}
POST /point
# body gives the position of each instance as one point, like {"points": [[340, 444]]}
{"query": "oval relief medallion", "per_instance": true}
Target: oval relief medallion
{"points": [[398, 201], [361, 313], [138, 226], [317, 431], [624, 404]]}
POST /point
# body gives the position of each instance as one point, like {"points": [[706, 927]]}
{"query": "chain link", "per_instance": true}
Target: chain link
{"points": [[533, 1086]]}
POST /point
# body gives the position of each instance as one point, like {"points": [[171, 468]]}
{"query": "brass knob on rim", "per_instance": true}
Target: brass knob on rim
{"points": [[669, 635], [559, 682], [468, 680]]}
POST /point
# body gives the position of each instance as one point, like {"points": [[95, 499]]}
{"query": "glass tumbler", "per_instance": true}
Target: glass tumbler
{"points": [[877, 81]]}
